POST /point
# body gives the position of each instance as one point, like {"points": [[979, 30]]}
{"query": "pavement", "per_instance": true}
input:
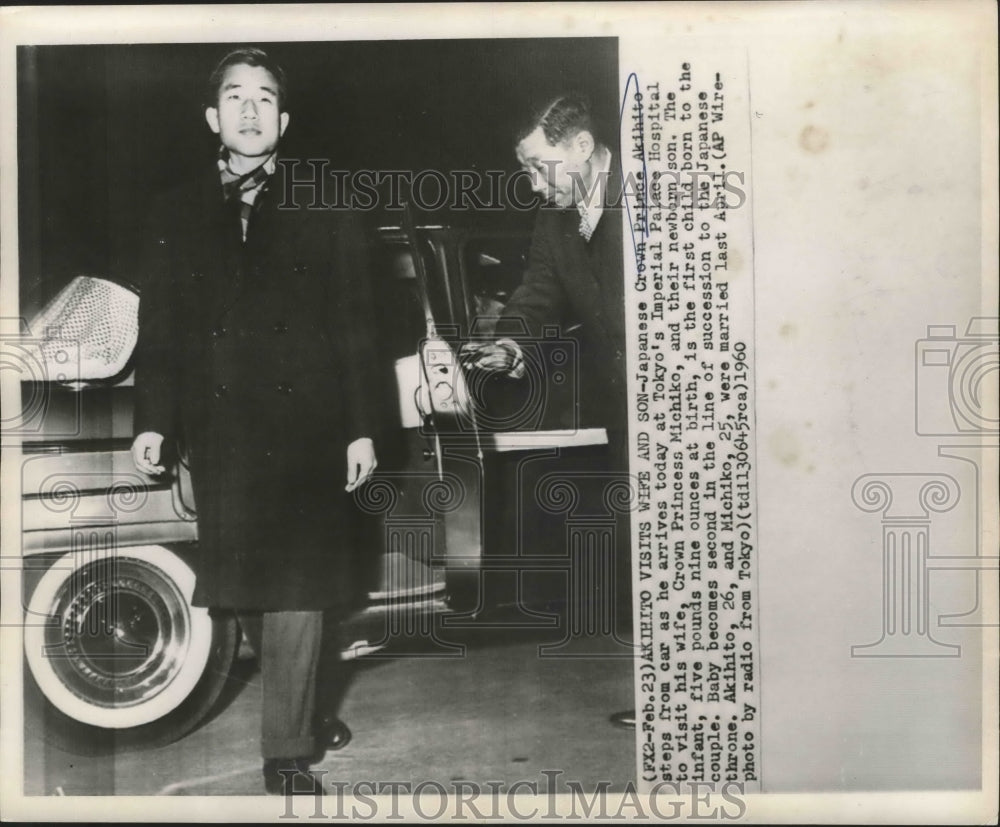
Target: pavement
{"points": [[496, 704]]}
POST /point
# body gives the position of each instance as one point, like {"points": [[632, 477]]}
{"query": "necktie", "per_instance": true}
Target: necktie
{"points": [[586, 227]]}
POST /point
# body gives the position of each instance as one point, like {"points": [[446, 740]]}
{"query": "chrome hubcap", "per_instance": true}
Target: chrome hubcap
{"points": [[120, 631]]}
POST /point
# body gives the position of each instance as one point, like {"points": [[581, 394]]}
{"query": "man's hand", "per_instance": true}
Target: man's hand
{"points": [[146, 453], [361, 463], [503, 356]]}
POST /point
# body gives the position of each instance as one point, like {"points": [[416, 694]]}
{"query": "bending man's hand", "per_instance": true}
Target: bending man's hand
{"points": [[503, 356], [361, 463], [146, 453]]}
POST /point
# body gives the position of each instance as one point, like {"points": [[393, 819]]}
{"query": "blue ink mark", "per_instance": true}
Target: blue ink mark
{"points": [[644, 204]]}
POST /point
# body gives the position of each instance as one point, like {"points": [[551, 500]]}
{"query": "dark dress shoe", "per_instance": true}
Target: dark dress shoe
{"points": [[332, 733], [625, 720], [290, 776]]}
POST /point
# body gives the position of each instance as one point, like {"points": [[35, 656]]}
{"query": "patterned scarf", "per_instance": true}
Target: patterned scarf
{"points": [[246, 187]]}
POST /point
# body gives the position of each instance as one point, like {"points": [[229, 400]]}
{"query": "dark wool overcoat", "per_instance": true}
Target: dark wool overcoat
{"points": [[570, 281], [257, 357]]}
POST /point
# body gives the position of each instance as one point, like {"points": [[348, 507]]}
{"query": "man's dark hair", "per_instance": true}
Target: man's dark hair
{"points": [[249, 56], [560, 119]]}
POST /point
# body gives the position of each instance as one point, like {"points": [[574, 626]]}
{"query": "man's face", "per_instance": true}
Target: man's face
{"points": [[558, 173], [247, 118]]}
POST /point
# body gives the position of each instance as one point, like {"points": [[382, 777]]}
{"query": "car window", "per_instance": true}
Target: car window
{"points": [[494, 266]]}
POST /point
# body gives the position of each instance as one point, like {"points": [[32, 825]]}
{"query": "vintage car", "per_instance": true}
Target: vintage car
{"points": [[112, 644]]}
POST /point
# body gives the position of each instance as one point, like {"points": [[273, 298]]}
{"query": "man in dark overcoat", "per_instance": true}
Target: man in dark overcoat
{"points": [[575, 277], [255, 348]]}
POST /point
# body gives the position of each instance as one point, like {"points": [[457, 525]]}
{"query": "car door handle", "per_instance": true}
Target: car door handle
{"points": [[179, 476]]}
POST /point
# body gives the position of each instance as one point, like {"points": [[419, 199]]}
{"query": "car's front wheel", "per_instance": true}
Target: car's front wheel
{"points": [[117, 651]]}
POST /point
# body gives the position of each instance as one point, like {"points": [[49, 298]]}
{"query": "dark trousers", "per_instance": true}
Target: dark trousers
{"points": [[301, 673]]}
